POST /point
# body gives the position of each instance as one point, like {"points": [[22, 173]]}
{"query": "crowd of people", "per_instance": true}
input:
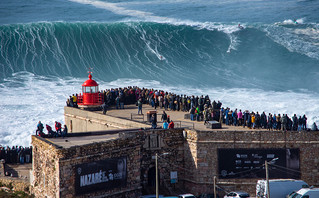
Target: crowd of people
{"points": [[156, 98], [72, 101], [271, 121], [59, 131], [200, 108], [119, 97], [16, 154]]}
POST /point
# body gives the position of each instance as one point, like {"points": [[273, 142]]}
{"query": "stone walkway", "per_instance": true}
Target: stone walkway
{"points": [[18, 171], [130, 112]]}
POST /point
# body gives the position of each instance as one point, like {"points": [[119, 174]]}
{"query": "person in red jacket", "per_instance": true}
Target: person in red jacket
{"points": [[51, 133], [58, 127], [171, 125]]}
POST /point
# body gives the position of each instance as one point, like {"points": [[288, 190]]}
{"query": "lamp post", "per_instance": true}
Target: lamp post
{"points": [[215, 194], [267, 175], [156, 172]]}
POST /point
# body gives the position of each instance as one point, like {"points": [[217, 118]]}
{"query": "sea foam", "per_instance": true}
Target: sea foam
{"points": [[28, 98]]}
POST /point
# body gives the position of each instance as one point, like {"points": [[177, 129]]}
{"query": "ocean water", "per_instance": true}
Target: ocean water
{"points": [[184, 46]]}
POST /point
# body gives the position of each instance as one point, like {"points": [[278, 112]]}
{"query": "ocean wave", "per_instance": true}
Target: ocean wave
{"points": [[296, 36], [166, 52]]}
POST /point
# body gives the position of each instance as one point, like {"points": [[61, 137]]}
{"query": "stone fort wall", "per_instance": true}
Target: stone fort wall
{"points": [[193, 154], [203, 156], [78, 120], [54, 166]]}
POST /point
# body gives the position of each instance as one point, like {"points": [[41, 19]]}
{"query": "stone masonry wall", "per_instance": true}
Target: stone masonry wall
{"points": [[84, 121], [203, 146], [54, 167], [45, 166], [170, 152], [99, 151], [18, 185]]}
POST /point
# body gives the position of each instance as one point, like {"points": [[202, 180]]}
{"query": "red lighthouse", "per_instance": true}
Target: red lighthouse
{"points": [[91, 98]]}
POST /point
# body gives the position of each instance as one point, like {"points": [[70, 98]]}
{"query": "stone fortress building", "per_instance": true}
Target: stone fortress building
{"points": [[112, 155]]}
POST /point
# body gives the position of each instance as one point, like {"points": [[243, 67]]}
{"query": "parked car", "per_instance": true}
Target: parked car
{"points": [[208, 195], [292, 194], [305, 193], [186, 196], [278, 187], [151, 196], [237, 194]]}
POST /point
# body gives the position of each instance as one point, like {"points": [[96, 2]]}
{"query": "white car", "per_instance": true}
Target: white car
{"points": [[237, 194], [186, 196], [305, 193]]}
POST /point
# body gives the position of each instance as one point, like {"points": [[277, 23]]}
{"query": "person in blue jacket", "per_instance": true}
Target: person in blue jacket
{"points": [[165, 125]]}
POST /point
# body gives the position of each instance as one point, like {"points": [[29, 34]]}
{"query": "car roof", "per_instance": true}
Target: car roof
{"points": [[304, 190], [151, 196]]}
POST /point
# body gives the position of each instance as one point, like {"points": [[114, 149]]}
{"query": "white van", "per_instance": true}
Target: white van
{"points": [[279, 188], [305, 193]]}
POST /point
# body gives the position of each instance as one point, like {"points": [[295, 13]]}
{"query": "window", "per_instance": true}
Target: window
{"points": [[90, 89]]}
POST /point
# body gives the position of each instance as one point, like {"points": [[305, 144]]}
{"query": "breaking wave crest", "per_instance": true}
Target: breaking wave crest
{"points": [[222, 54]]}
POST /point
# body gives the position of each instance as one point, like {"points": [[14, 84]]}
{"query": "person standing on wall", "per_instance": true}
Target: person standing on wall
{"points": [[164, 116], [39, 128], [58, 128], [171, 125], [165, 125], [65, 131], [139, 106], [153, 121], [104, 108]]}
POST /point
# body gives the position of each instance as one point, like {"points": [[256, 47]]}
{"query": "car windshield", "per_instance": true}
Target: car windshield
{"points": [[244, 196], [297, 195], [292, 195]]}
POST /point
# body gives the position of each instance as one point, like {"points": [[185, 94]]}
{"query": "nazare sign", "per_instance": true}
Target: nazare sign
{"points": [[101, 175]]}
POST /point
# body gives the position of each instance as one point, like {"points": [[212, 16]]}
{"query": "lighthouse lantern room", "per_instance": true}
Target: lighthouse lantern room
{"points": [[90, 98]]}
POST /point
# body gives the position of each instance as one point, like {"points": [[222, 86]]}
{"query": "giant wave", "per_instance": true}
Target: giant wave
{"points": [[197, 54], [263, 67]]}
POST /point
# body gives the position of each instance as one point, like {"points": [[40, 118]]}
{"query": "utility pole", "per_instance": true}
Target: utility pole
{"points": [[156, 172], [215, 194], [267, 178], [267, 174]]}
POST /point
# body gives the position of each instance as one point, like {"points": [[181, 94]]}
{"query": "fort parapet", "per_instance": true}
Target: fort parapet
{"points": [[64, 167]]}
